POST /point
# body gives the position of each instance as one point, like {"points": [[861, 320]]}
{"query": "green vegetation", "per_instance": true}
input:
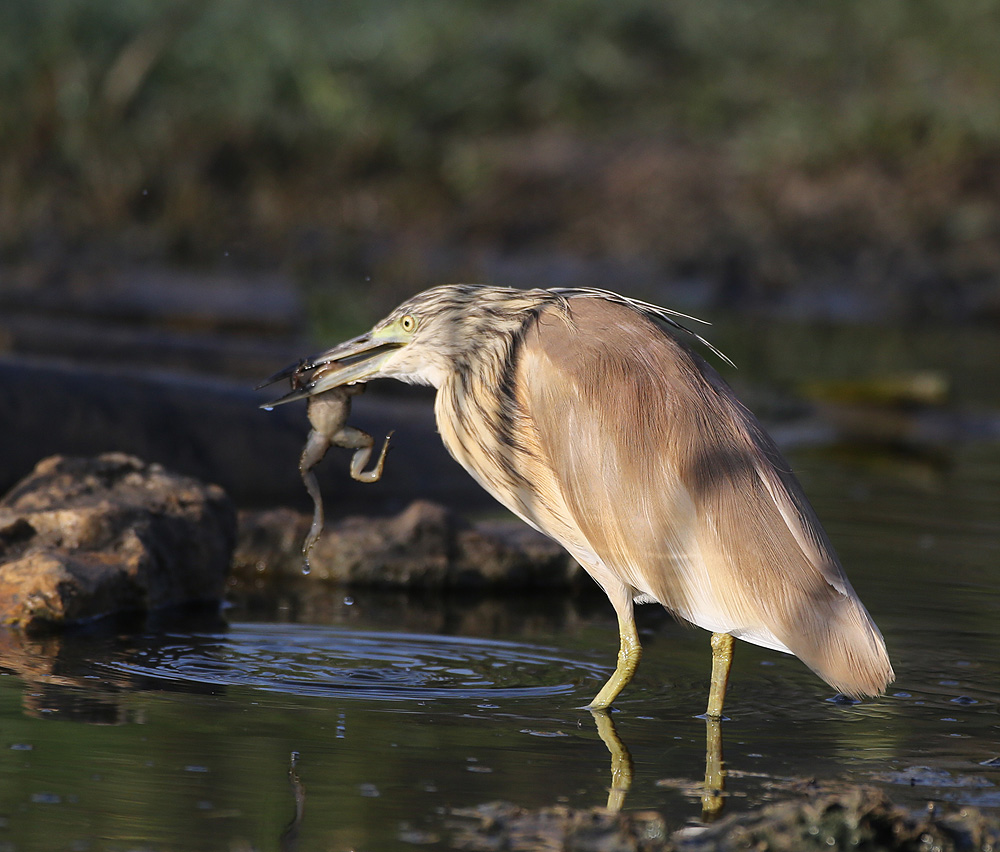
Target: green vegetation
{"points": [[794, 136]]}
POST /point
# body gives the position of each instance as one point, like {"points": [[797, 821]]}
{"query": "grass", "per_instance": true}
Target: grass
{"points": [[178, 129]]}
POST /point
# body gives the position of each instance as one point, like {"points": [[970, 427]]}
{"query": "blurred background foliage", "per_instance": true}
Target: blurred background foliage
{"points": [[758, 148]]}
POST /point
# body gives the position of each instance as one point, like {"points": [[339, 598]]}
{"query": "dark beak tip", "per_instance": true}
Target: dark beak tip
{"points": [[283, 373]]}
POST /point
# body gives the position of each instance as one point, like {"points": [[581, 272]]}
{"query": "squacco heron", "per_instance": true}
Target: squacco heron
{"points": [[587, 414]]}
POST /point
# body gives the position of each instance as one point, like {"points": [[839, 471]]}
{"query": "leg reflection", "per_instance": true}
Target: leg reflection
{"points": [[621, 760], [712, 799], [289, 840]]}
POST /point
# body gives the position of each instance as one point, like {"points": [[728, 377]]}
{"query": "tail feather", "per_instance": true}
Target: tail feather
{"points": [[843, 646]]}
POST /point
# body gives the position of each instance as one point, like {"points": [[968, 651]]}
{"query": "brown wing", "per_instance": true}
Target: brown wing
{"points": [[683, 497]]}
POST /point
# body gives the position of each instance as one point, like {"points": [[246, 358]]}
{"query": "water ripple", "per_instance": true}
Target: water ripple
{"points": [[334, 662]]}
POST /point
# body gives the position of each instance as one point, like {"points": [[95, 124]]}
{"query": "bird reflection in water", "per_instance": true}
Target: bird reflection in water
{"points": [[713, 791]]}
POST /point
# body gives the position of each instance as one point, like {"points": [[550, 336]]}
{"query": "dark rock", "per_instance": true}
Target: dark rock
{"points": [[215, 431], [82, 538], [423, 546]]}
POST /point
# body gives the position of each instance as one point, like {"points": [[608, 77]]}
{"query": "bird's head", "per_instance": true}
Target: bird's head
{"points": [[423, 341]]}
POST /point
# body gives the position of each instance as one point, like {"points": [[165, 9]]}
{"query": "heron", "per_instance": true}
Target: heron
{"points": [[590, 416]]}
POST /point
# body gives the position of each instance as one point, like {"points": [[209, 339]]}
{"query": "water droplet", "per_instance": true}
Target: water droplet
{"points": [[268, 407], [348, 601], [306, 567]]}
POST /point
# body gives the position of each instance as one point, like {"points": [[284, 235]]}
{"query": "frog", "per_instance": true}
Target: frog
{"points": [[328, 413]]}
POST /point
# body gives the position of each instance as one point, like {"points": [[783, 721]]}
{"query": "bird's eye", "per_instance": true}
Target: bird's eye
{"points": [[408, 323]]}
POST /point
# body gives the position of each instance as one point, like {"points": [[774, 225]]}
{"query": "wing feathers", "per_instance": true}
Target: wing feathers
{"points": [[681, 495]]}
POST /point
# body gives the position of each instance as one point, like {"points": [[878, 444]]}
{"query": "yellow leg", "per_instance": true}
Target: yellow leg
{"points": [[715, 771], [628, 658], [722, 660], [621, 760]]}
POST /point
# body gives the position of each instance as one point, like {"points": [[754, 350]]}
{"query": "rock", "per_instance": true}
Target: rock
{"points": [[215, 431], [82, 538], [424, 546]]}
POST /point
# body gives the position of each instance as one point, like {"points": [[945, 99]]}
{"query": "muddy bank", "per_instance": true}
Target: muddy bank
{"points": [[856, 818]]}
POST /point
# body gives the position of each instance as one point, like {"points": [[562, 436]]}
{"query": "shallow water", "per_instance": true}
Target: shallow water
{"points": [[399, 708]]}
